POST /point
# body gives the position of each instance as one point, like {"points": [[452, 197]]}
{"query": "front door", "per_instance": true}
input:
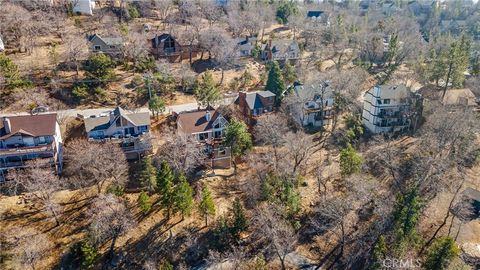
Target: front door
{"points": [[130, 131]]}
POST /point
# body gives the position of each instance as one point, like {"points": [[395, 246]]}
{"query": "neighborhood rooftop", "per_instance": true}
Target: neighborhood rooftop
{"points": [[196, 121], [253, 98], [102, 121], [33, 125]]}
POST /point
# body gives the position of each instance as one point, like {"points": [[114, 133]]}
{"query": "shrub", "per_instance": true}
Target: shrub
{"points": [[80, 92], [144, 202], [116, 190]]}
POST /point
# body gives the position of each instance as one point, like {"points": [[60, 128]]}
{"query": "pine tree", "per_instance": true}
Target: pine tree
{"points": [[275, 81], [443, 251], [289, 73], [238, 139], [148, 179], [183, 197], [350, 161], [206, 90], [165, 187], [156, 105], [406, 216], [99, 69], [144, 202], [238, 219], [207, 205], [379, 252]]}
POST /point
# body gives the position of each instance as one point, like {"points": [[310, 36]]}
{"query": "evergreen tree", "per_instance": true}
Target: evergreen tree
{"points": [[88, 254], [289, 73], [443, 251], [183, 197], [350, 161], [156, 105], [285, 10], [457, 63], [165, 187], [221, 233], [238, 139], [144, 202], [407, 213], [291, 199], [476, 66], [206, 90], [148, 179], [11, 74], [99, 69], [207, 205], [379, 253], [238, 219], [275, 81]]}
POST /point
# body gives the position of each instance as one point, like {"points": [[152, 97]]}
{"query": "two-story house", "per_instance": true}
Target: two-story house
{"points": [[254, 104], [28, 137], [280, 50], [245, 46], [391, 108], [166, 46], [130, 129], [207, 128], [318, 107], [108, 45]]}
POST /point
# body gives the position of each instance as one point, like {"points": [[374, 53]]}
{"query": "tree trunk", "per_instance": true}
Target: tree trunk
{"points": [[282, 261], [112, 247], [206, 220], [190, 54], [223, 75], [450, 67]]}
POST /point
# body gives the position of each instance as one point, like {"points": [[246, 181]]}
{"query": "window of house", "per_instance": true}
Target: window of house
{"points": [[217, 134], [379, 101], [202, 136], [41, 140], [217, 125], [142, 129], [386, 101], [118, 123], [97, 47], [112, 47]]}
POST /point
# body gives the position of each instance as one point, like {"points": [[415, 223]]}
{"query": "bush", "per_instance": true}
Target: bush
{"points": [[116, 190], [80, 92], [137, 81], [144, 202], [84, 254]]}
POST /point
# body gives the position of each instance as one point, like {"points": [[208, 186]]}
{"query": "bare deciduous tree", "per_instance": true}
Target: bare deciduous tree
{"points": [[270, 130], [40, 183], [76, 49], [95, 163], [276, 234], [27, 246], [110, 218], [298, 147]]}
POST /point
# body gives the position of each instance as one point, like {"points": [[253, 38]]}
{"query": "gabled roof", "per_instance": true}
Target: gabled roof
{"points": [[196, 121], [103, 122], [459, 97], [31, 125], [110, 41], [284, 45], [314, 13], [253, 99]]}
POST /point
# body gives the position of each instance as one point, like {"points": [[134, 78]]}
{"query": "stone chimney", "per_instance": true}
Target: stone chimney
{"points": [[207, 116], [7, 125]]}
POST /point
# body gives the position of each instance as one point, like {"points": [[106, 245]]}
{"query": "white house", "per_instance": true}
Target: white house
{"points": [[318, 105], [29, 137], [83, 7], [391, 108], [2, 46]]}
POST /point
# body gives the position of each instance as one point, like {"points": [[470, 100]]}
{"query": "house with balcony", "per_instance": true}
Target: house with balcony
{"points": [[166, 46], [130, 129], [391, 108], [207, 128], [317, 105], [254, 104], [29, 137]]}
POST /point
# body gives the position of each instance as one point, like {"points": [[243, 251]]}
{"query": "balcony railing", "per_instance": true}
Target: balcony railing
{"points": [[27, 149]]}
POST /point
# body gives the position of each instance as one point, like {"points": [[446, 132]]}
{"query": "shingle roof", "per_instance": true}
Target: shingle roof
{"points": [[253, 99], [284, 45], [33, 125], [103, 122], [194, 122], [107, 40], [459, 97]]}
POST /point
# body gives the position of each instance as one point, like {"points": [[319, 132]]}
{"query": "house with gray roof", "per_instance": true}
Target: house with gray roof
{"points": [[254, 104], [280, 50], [245, 46], [108, 45], [317, 104], [130, 129]]}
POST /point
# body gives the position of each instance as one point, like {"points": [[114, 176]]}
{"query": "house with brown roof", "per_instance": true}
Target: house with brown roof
{"points": [[28, 137], [207, 128], [459, 97], [130, 129]]}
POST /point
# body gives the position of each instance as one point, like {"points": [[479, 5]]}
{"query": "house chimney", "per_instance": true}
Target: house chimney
{"points": [[207, 115], [7, 125]]}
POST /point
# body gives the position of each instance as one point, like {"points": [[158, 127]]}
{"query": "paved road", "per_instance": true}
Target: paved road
{"points": [[88, 112]]}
